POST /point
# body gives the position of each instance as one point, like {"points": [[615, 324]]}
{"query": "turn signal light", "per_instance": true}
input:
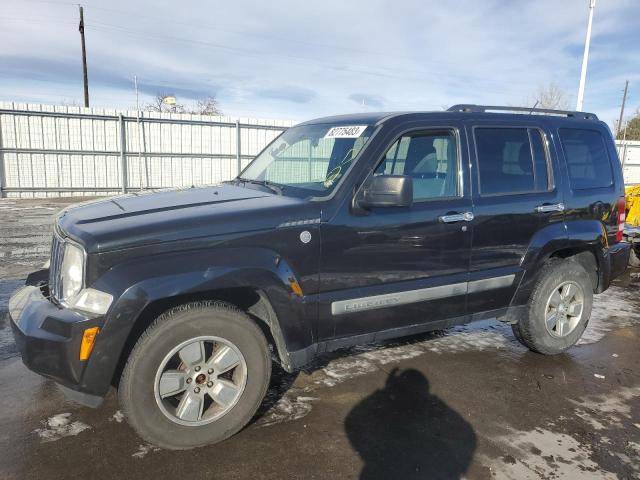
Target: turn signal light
{"points": [[295, 287], [88, 340]]}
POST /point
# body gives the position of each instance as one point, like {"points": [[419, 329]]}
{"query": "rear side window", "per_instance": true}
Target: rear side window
{"points": [[511, 160], [587, 158]]}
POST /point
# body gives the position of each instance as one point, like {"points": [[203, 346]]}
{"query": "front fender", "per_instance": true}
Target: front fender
{"points": [[138, 283]]}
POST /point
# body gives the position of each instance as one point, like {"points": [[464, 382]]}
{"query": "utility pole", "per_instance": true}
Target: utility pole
{"points": [[585, 57], [84, 58], [624, 100]]}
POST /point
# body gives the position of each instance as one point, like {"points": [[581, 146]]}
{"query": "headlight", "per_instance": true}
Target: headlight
{"points": [[72, 271], [72, 279]]}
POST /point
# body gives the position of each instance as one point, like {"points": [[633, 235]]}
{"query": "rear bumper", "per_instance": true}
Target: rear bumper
{"points": [[616, 261], [48, 338]]}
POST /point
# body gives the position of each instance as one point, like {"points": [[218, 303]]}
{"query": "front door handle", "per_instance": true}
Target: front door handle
{"points": [[457, 217], [558, 207]]}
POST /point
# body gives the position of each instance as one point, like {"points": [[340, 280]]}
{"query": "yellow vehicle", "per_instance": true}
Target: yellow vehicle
{"points": [[632, 222]]}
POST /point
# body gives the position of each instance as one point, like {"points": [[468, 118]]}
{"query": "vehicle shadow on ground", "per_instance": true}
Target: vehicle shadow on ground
{"points": [[404, 431]]}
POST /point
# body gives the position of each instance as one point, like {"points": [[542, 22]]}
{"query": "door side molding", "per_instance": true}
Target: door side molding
{"points": [[490, 283], [374, 302]]}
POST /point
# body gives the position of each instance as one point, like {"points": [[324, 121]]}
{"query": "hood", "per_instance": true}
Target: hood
{"points": [[139, 219]]}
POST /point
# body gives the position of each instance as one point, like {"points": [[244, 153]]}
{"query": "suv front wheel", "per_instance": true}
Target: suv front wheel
{"points": [[558, 310], [196, 376]]}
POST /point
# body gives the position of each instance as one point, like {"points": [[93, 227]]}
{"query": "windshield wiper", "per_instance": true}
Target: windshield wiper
{"points": [[274, 187]]}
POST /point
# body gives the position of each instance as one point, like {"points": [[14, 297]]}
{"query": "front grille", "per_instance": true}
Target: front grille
{"points": [[57, 252]]}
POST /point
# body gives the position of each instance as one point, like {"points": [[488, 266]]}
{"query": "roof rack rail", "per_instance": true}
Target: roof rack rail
{"points": [[497, 108]]}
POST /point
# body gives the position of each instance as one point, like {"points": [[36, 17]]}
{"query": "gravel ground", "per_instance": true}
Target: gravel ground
{"points": [[468, 402]]}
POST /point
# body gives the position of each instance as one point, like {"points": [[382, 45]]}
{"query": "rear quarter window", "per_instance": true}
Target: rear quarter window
{"points": [[588, 161]]}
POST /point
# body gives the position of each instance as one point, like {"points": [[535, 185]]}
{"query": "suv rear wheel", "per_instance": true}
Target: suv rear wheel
{"points": [[558, 310], [196, 376]]}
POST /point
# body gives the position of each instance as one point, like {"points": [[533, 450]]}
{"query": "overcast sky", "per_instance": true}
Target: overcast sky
{"points": [[304, 59]]}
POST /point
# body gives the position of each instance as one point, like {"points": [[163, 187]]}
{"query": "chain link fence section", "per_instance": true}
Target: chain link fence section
{"points": [[52, 151]]}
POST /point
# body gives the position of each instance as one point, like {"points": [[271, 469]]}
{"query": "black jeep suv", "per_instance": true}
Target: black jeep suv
{"points": [[344, 230]]}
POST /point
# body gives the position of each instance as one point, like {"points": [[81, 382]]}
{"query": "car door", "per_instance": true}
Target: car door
{"points": [[516, 195], [400, 267]]}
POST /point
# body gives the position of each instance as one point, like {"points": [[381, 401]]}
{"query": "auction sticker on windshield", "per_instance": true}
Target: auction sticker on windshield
{"points": [[346, 131]]}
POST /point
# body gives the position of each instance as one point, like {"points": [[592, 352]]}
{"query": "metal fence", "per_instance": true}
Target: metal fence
{"points": [[57, 150], [48, 150], [629, 153]]}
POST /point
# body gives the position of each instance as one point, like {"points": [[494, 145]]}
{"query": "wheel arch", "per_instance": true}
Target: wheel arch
{"points": [[586, 257], [248, 279], [584, 241], [250, 300]]}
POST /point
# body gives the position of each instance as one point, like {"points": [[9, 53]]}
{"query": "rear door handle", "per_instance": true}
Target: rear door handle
{"points": [[558, 207], [457, 217]]}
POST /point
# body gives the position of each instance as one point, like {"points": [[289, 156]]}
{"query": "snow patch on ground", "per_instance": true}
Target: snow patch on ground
{"points": [[607, 411], [34, 207], [465, 341], [59, 426], [339, 370], [117, 417], [545, 453], [613, 309], [144, 450], [288, 408], [542, 453]]}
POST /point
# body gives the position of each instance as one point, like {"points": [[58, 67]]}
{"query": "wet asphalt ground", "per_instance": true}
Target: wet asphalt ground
{"points": [[468, 402]]}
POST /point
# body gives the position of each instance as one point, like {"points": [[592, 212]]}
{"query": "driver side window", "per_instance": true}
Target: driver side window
{"points": [[430, 159]]}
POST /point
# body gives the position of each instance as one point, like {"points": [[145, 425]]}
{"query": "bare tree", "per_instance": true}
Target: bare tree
{"points": [[158, 104], [208, 106], [631, 129], [550, 96], [205, 106]]}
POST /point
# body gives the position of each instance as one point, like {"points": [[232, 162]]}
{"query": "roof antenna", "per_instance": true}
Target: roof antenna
{"points": [[534, 106]]}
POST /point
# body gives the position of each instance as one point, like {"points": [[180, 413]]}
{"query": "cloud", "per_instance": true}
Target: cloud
{"points": [[288, 94]]}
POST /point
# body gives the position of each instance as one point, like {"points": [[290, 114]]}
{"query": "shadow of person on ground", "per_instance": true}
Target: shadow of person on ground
{"points": [[403, 431]]}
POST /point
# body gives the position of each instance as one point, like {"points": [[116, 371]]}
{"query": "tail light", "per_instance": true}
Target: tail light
{"points": [[621, 218]]}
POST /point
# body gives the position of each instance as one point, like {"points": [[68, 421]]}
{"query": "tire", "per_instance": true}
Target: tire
{"points": [[634, 258], [531, 329], [208, 328]]}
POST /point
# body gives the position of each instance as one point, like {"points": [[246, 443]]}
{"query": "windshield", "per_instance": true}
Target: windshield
{"points": [[312, 158]]}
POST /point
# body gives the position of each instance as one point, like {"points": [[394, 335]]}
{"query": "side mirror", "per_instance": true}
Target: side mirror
{"points": [[387, 191]]}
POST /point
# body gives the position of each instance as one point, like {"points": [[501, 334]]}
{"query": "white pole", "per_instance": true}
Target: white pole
{"points": [[585, 57]]}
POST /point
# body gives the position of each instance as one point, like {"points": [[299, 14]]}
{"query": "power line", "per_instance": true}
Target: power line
{"points": [[198, 26], [146, 16], [350, 68]]}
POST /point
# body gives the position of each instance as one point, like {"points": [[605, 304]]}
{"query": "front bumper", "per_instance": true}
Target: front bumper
{"points": [[48, 338]]}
